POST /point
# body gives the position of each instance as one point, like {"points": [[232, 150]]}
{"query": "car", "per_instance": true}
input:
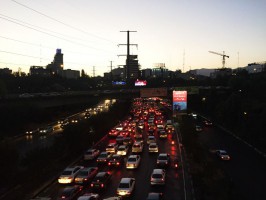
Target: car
{"points": [[85, 175], [163, 160], [91, 154], [116, 161], [70, 192], [113, 133], [223, 155], [103, 157], [139, 138], [122, 150], [124, 133], [155, 196], [141, 124], [74, 121], [113, 198], [111, 147], [198, 128], [89, 196], [151, 139], [163, 134], [158, 177], [159, 129], [127, 141], [100, 181], [119, 139], [133, 162], [207, 122], [153, 147], [47, 129], [30, 132], [151, 121], [87, 115], [69, 174], [126, 187], [119, 127], [137, 147]]}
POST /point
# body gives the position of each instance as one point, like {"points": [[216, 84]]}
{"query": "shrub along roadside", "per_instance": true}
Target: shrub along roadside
{"points": [[40, 165], [209, 179]]}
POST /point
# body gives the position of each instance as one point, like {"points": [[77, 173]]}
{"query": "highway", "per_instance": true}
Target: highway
{"points": [[247, 168], [28, 142], [173, 190]]}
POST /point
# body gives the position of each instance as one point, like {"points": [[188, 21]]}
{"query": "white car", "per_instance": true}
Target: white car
{"points": [[158, 177], [69, 174], [151, 139], [113, 198], [122, 150], [133, 162], [126, 187], [91, 154], [111, 147], [153, 147], [89, 196], [137, 147], [223, 155]]}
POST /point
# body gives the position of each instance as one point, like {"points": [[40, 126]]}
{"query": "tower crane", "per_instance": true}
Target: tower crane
{"points": [[220, 55]]}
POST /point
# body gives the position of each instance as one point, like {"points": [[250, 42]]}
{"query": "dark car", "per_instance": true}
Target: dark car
{"points": [[85, 175], [119, 139], [128, 141], [70, 192], [101, 181], [155, 196], [104, 157], [163, 160], [116, 161]]}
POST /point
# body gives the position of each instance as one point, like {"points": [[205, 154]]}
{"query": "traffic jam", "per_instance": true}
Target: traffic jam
{"points": [[112, 168]]}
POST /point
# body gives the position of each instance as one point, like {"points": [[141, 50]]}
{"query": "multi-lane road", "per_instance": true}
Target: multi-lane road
{"points": [[173, 190], [247, 167]]}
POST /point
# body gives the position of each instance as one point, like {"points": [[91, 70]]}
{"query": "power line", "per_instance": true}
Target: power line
{"points": [[38, 45], [56, 20], [45, 29], [51, 34], [24, 55]]}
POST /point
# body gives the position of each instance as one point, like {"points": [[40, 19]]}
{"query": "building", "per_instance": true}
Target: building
{"points": [[256, 67], [56, 67], [39, 71], [70, 74], [5, 71], [221, 72], [146, 73], [132, 67]]}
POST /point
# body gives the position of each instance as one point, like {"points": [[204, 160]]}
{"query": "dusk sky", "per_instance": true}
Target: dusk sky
{"points": [[174, 32]]}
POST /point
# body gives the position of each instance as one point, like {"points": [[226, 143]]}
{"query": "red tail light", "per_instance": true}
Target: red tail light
{"points": [[117, 163], [92, 185], [102, 185], [109, 163]]}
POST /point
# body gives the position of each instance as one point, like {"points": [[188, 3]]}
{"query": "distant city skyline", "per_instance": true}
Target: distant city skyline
{"points": [[178, 33]]}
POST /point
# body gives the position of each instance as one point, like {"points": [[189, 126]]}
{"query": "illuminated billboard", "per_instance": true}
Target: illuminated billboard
{"points": [[179, 102], [118, 82], [140, 82]]}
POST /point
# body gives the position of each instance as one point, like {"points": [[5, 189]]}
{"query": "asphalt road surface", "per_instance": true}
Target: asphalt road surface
{"points": [[247, 168], [173, 190]]}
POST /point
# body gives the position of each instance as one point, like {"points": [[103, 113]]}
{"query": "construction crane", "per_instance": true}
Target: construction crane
{"points": [[220, 55]]}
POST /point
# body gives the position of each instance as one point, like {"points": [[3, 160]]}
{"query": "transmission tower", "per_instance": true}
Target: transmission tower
{"points": [[128, 52]]}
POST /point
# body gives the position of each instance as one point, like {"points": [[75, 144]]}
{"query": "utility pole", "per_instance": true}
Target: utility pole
{"points": [[111, 73], [184, 54], [93, 71], [128, 52]]}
